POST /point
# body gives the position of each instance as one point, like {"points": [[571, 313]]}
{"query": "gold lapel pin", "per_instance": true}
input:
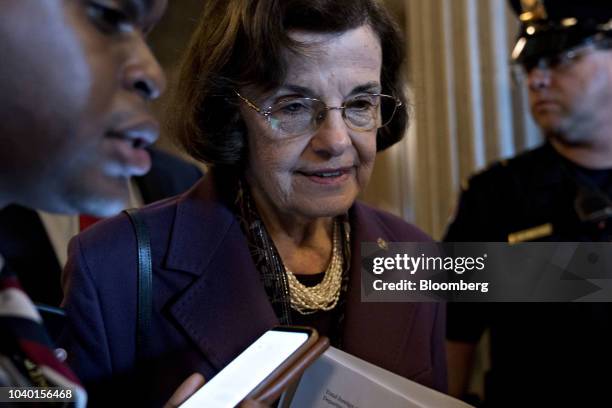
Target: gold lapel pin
{"points": [[382, 244]]}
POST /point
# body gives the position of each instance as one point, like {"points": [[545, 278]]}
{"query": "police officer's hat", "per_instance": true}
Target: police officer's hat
{"points": [[549, 27]]}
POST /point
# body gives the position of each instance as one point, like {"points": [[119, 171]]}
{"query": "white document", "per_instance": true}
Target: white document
{"points": [[340, 380]]}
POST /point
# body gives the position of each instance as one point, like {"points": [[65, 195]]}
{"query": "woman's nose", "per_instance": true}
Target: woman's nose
{"points": [[332, 136]]}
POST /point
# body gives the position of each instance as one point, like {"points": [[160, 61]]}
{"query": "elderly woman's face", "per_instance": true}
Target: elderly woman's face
{"points": [[319, 173]]}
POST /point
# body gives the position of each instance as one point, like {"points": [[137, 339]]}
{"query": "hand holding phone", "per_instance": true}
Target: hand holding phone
{"points": [[263, 370], [189, 387], [193, 383]]}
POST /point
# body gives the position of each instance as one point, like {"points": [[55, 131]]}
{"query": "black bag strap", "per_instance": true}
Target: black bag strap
{"points": [[145, 282]]}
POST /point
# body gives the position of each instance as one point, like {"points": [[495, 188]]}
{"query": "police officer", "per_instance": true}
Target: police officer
{"points": [[546, 354]]}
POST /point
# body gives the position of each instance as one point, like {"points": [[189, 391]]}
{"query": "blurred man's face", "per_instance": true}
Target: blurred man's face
{"points": [[573, 101], [75, 79]]}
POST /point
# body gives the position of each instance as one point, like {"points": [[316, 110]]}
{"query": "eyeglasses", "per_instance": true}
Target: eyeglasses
{"points": [[558, 62], [296, 116]]}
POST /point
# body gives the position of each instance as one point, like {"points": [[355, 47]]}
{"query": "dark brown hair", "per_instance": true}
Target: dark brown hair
{"points": [[241, 42]]}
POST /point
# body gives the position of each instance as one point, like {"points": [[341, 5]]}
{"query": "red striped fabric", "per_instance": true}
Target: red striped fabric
{"points": [[28, 355]]}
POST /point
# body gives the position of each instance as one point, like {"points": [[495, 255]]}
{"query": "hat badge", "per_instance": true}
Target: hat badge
{"points": [[533, 10]]}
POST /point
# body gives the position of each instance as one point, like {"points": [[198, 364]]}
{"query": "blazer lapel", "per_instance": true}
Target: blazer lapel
{"points": [[225, 308], [388, 326]]}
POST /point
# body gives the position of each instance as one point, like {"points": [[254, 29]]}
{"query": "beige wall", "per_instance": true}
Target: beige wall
{"points": [[467, 110]]}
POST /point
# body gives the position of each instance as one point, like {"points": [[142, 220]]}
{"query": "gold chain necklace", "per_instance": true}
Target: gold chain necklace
{"points": [[324, 296]]}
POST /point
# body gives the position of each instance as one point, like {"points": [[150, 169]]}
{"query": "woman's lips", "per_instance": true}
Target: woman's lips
{"points": [[328, 176]]}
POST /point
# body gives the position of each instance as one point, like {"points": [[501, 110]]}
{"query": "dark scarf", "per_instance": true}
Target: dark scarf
{"points": [[265, 256]]}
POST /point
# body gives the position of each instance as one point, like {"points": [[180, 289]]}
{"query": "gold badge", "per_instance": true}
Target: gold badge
{"points": [[533, 10], [530, 234]]}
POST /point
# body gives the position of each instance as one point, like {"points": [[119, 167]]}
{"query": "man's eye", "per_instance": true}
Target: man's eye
{"points": [[109, 20], [567, 58], [557, 61], [529, 64]]}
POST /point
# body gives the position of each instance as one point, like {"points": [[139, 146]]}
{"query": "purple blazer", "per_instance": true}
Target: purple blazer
{"points": [[209, 303]]}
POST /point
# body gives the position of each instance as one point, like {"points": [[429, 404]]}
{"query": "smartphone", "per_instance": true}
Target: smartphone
{"points": [[264, 365]]}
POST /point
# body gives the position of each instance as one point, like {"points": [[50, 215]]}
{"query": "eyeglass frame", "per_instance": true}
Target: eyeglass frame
{"points": [[267, 112]]}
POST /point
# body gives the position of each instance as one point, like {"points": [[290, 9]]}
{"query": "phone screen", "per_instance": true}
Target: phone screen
{"points": [[246, 371]]}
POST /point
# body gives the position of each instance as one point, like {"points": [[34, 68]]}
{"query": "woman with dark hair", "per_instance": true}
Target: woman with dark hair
{"points": [[288, 103]]}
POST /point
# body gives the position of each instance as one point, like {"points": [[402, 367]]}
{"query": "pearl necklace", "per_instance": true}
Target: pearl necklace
{"points": [[324, 296]]}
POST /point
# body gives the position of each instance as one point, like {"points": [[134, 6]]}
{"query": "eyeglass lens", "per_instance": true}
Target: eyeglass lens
{"points": [[556, 61]]}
